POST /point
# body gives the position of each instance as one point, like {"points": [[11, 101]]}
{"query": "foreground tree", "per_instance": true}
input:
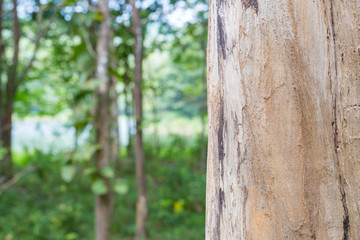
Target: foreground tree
{"points": [[284, 129]]}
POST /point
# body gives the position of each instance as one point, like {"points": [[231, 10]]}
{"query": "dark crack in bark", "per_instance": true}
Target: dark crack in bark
{"points": [[251, 3]]}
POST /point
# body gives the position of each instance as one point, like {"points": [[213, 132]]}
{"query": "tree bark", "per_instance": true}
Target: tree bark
{"points": [[102, 122], [128, 98], [9, 87], [114, 125], [1, 60], [141, 206], [115, 144], [284, 129], [8, 104], [203, 111]]}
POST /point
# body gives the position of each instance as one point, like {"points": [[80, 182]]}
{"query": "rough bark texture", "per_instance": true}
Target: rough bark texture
{"points": [[102, 122], [141, 206], [284, 120]]}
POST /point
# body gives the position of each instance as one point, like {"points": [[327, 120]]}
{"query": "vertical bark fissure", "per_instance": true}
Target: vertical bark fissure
{"points": [[221, 137], [251, 3], [342, 182], [221, 41]]}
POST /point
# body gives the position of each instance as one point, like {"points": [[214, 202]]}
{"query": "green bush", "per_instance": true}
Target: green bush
{"points": [[42, 206]]}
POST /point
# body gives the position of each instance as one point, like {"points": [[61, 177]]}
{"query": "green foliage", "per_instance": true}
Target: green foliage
{"points": [[41, 206], [121, 186], [56, 200], [2, 152], [98, 187], [49, 208], [107, 172], [68, 173]]}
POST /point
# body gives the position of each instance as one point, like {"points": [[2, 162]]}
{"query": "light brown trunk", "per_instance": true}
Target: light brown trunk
{"points": [[115, 145], [284, 129], [102, 123], [141, 206]]}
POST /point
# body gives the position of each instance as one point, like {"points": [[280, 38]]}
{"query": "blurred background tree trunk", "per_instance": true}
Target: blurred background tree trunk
{"points": [[114, 125], [203, 111], [15, 77], [8, 97], [284, 126], [102, 122], [141, 206]]}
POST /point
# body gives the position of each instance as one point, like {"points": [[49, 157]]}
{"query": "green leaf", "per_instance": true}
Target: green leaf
{"points": [[121, 186], [85, 153], [107, 172], [98, 16], [68, 172], [2, 152], [71, 236], [89, 171], [99, 187]]}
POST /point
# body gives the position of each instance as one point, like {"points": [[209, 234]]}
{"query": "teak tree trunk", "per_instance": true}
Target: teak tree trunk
{"points": [[103, 203], [284, 120], [141, 205]]}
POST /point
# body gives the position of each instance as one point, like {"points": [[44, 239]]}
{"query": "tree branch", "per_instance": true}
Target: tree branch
{"points": [[15, 179], [88, 44], [40, 35], [12, 73]]}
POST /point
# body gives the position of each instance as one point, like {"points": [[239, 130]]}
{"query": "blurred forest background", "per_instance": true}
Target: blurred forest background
{"points": [[103, 122]]}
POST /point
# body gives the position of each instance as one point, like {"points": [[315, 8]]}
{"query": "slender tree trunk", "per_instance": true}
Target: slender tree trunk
{"points": [[102, 122], [6, 167], [155, 112], [3, 164], [203, 113], [141, 206], [128, 118], [284, 129], [115, 144], [8, 101], [128, 107], [1, 63]]}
